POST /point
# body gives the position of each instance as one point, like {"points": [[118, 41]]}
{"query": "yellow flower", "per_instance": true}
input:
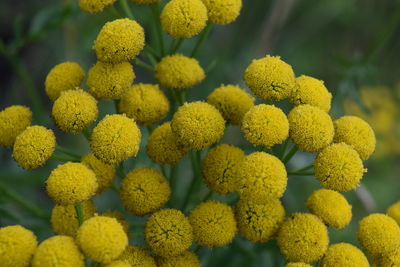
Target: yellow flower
{"points": [[184, 18], [119, 40], [265, 125], [34, 146], [168, 233], [137, 256], [102, 239], [259, 222], [303, 238], [13, 121], [270, 78], [62, 77], [115, 138], [94, 6], [74, 110], [145, 103], [391, 259], [197, 125], [104, 172], [338, 167], [187, 259], [144, 190], [344, 254], [394, 212], [310, 128], [71, 183], [297, 264], [179, 72], [119, 217], [145, 2], [117, 264], [110, 81], [17, 246], [223, 11]]}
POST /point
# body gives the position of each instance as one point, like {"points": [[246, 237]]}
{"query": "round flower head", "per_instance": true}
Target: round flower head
{"points": [[102, 239], [179, 72], [331, 207], [94, 6], [297, 264], [187, 259], [310, 128], [265, 125], [110, 81], [270, 78], [184, 18], [115, 138], [13, 121], [168, 233], [260, 176], [119, 217], [117, 264], [137, 256], [197, 125], [145, 103], [344, 254], [303, 237], [34, 146], [74, 110], [338, 167], [162, 146], [218, 168], [390, 259], [223, 11], [119, 40], [60, 251], [394, 212], [17, 246], [232, 102], [309, 90], [71, 183], [104, 172], [356, 133], [145, 2], [259, 222], [144, 190], [62, 77]]}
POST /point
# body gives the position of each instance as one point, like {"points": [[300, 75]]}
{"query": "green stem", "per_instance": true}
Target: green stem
{"points": [[176, 43], [155, 8], [208, 196], [283, 150], [116, 105], [164, 171], [152, 51], [63, 158], [290, 155], [79, 213], [201, 39], [127, 10], [67, 152], [113, 11], [181, 95], [86, 134], [115, 188], [196, 175], [306, 168], [150, 57], [301, 173], [144, 65]]}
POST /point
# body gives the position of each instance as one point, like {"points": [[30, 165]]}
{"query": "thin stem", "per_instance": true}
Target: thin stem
{"points": [[63, 158], [366, 198], [67, 152], [290, 155], [164, 171], [301, 173], [113, 11], [181, 97], [195, 168], [283, 150], [208, 196], [150, 57], [86, 134], [152, 51], [79, 213], [155, 8], [306, 168], [115, 188], [127, 10], [201, 39], [116, 105], [176, 43], [144, 65]]}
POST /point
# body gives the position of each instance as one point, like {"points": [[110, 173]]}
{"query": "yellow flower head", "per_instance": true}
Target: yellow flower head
{"points": [[168, 233], [17, 246], [60, 251], [338, 167], [310, 128], [394, 212], [117, 264], [344, 254], [197, 125], [119, 217], [145, 2], [390, 259], [110, 81], [62, 77], [145, 103], [331, 207], [184, 18], [265, 125], [223, 11], [303, 237], [115, 138], [13, 121], [74, 110], [34, 146], [179, 72], [71, 183], [270, 78], [104, 172], [137, 256], [144, 190], [259, 222], [297, 264], [309, 90], [356, 133], [260, 177], [94, 6], [187, 259]]}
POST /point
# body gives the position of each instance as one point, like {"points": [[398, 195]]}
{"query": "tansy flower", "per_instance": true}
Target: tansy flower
{"points": [[102, 239], [144, 190], [389, 259], [297, 264], [168, 233], [186, 259], [17, 246], [145, 103], [34, 146], [303, 237], [115, 138], [223, 11], [265, 125], [259, 222], [110, 81], [338, 167], [197, 125], [178, 71], [62, 77], [94, 6], [13, 121], [117, 264], [137, 256], [145, 2], [270, 78], [119, 40], [310, 128], [119, 217], [344, 254], [74, 110], [184, 18], [394, 212], [104, 172], [71, 183]]}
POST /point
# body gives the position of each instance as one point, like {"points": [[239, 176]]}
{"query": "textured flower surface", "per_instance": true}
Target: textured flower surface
{"points": [[137, 256], [104, 172], [394, 212], [297, 264], [13, 121], [94, 6], [119, 217], [223, 11], [186, 259], [344, 254]]}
